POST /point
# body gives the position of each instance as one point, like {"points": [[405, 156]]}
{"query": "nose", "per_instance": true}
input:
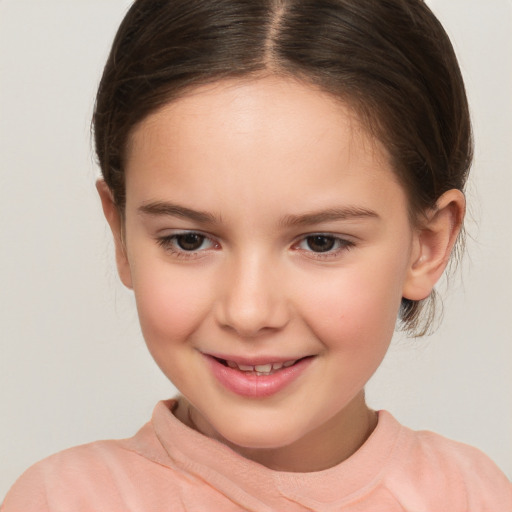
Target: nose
{"points": [[253, 300]]}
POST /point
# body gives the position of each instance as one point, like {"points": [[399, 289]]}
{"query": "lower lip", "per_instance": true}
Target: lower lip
{"points": [[256, 386]]}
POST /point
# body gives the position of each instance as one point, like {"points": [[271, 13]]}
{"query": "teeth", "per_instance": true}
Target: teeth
{"points": [[263, 369]]}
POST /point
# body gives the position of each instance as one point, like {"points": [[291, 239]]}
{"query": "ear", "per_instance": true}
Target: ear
{"points": [[115, 222], [433, 245]]}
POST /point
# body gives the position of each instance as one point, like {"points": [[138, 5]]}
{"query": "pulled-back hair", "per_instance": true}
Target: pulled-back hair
{"points": [[390, 60]]}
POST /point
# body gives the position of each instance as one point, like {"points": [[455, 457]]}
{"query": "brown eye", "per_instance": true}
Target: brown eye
{"points": [[189, 241], [320, 243], [187, 244]]}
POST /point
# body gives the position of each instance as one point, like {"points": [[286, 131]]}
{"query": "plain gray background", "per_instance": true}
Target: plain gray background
{"points": [[73, 365]]}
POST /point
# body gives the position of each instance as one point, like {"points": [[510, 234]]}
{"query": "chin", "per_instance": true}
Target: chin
{"points": [[263, 436]]}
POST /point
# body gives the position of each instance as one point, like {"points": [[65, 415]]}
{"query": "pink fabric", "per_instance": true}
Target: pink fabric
{"points": [[169, 467]]}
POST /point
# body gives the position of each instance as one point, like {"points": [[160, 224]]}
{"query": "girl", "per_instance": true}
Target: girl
{"points": [[282, 180]]}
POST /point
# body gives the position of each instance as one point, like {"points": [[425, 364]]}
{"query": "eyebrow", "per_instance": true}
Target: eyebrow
{"points": [[329, 215], [163, 208]]}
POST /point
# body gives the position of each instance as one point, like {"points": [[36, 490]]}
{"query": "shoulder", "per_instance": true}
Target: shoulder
{"points": [[100, 474], [449, 470], [65, 473]]}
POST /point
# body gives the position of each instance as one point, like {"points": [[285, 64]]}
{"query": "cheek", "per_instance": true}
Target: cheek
{"points": [[170, 306], [355, 309]]}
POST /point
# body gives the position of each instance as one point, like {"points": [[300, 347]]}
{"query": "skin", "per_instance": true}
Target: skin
{"points": [[263, 160]]}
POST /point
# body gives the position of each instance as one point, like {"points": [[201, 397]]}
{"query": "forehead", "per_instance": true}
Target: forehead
{"points": [[267, 107], [255, 137]]}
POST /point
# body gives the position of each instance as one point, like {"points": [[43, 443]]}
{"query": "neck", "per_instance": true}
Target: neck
{"points": [[325, 447]]}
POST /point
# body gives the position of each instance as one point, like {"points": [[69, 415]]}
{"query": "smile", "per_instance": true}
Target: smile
{"points": [[260, 369], [258, 380]]}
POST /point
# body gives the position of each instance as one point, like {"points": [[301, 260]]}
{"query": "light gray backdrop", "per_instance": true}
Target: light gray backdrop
{"points": [[73, 366]]}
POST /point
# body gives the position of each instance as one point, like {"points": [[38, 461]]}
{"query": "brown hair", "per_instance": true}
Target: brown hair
{"points": [[391, 60]]}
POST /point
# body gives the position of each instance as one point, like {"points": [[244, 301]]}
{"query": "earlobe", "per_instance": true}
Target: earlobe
{"points": [[433, 244], [115, 222]]}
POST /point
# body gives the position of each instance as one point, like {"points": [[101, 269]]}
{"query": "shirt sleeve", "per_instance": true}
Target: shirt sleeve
{"points": [[28, 494], [488, 489]]}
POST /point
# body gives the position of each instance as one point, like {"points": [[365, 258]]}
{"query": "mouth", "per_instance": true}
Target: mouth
{"points": [[259, 369], [259, 378]]}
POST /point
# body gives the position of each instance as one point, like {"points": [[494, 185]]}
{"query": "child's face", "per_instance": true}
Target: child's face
{"points": [[263, 226]]}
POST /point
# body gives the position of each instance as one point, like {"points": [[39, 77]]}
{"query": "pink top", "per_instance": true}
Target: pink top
{"points": [[170, 467]]}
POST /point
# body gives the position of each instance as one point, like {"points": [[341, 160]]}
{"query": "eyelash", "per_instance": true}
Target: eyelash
{"points": [[341, 244], [170, 244]]}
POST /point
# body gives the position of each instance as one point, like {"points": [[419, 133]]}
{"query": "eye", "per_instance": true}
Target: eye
{"points": [[186, 243], [320, 243], [189, 241], [324, 244]]}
